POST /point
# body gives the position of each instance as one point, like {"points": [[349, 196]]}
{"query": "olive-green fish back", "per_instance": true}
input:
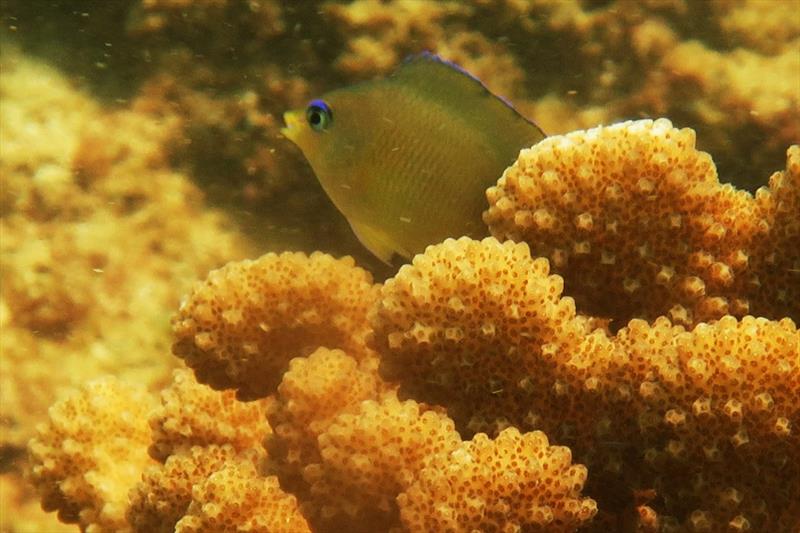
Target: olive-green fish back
{"points": [[449, 85]]}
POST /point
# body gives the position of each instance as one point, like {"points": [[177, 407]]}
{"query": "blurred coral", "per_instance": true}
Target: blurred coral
{"points": [[747, 23], [99, 241], [189, 18], [240, 327], [634, 218], [379, 33], [732, 87], [91, 453], [99, 236]]}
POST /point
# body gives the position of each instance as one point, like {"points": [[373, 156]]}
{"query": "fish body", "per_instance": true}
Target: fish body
{"points": [[407, 159]]}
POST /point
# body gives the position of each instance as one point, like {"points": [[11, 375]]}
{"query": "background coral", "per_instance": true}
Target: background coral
{"points": [[91, 452], [98, 234]]}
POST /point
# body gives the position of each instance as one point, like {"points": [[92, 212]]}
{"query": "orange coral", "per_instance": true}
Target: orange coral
{"points": [[468, 320], [161, 498], [718, 420], [653, 407], [776, 261], [635, 220], [92, 253], [238, 498], [91, 453], [512, 483], [371, 454], [678, 428], [192, 414], [312, 393], [241, 326]]}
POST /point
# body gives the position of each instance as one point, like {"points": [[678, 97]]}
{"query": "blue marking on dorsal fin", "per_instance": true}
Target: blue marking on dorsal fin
{"points": [[430, 56]]}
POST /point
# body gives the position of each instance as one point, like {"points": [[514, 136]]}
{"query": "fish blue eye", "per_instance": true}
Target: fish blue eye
{"points": [[319, 115]]}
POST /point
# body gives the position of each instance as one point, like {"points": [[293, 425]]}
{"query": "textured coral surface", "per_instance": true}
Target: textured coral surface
{"points": [[691, 414], [91, 452], [499, 485], [141, 150], [636, 221], [289, 305], [671, 428]]}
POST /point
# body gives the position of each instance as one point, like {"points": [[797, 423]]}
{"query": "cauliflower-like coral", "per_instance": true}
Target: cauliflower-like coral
{"points": [[705, 417], [370, 455], [635, 220], [776, 257], [237, 498], [192, 414], [312, 393], [91, 453], [718, 419], [161, 498], [512, 483], [240, 328], [475, 325], [678, 428]]}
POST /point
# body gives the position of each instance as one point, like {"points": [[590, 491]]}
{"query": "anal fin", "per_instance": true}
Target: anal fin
{"points": [[377, 242]]}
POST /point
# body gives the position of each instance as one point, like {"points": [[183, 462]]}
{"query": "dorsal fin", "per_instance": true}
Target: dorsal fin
{"points": [[429, 73]]}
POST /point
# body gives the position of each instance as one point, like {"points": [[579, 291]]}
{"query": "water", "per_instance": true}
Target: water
{"points": [[140, 146]]}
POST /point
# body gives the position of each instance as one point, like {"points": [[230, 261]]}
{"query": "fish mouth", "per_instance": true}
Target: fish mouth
{"points": [[293, 122]]}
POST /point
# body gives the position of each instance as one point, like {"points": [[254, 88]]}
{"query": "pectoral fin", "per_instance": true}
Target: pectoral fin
{"points": [[377, 242]]}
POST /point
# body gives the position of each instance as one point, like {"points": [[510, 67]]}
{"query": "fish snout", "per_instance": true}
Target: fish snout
{"points": [[293, 121]]}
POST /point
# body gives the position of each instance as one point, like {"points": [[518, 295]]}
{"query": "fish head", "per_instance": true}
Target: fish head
{"points": [[299, 128], [318, 128], [331, 133]]}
